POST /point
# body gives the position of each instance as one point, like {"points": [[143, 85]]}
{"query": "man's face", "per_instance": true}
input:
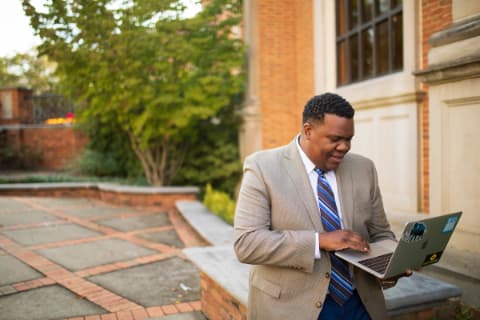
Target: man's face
{"points": [[327, 141]]}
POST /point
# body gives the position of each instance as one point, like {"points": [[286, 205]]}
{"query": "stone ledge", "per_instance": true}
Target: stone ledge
{"points": [[210, 227], [221, 265], [100, 186], [418, 292], [146, 190]]}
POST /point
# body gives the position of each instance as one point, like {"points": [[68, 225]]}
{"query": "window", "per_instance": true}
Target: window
{"points": [[369, 39], [7, 105]]}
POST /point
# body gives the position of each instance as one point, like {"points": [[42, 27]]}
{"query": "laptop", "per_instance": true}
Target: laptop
{"points": [[422, 243]]}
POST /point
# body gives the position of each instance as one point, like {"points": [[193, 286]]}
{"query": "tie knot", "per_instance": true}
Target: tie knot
{"points": [[319, 171]]}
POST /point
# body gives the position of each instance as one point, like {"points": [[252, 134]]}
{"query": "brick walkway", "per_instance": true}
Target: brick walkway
{"points": [[115, 262]]}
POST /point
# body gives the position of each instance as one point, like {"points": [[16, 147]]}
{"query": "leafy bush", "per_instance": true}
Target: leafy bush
{"points": [[213, 155], [19, 158], [46, 178], [108, 152], [219, 203], [96, 163]]}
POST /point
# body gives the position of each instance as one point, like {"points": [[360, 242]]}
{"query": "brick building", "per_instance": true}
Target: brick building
{"points": [[31, 145], [410, 69]]}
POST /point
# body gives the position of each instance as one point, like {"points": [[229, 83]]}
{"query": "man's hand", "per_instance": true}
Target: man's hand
{"points": [[391, 282], [342, 239]]}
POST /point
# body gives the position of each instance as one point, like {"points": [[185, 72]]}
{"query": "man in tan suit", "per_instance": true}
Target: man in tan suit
{"points": [[280, 222]]}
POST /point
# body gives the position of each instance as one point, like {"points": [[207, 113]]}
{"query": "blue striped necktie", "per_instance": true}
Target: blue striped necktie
{"points": [[340, 287]]}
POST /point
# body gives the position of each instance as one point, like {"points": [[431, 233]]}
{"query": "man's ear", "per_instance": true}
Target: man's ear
{"points": [[307, 130]]}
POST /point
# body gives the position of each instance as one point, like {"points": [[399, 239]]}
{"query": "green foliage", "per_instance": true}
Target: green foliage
{"points": [[19, 158], [97, 163], [27, 70], [213, 155], [464, 313], [145, 69], [35, 177], [26, 178], [107, 154], [220, 204]]}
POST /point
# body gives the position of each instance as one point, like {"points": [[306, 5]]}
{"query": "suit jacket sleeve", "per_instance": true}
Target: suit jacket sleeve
{"points": [[257, 241]]}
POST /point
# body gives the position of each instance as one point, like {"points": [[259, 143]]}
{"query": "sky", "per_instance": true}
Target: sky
{"points": [[16, 35]]}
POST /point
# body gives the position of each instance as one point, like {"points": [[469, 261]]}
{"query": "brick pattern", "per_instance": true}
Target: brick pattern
{"points": [[163, 201], [219, 304], [286, 67], [51, 147], [117, 306], [436, 15]]}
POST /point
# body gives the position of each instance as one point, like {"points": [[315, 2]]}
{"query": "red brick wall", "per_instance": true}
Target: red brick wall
{"points": [[55, 147], [436, 15], [286, 67], [164, 201], [218, 303]]}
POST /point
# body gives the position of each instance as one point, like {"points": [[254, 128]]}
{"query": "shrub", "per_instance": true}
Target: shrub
{"points": [[92, 162], [219, 203], [19, 158]]}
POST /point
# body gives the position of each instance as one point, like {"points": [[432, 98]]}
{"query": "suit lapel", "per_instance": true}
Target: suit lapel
{"points": [[298, 176], [345, 194]]}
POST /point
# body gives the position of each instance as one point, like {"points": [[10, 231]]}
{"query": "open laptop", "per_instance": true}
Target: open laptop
{"points": [[422, 243]]}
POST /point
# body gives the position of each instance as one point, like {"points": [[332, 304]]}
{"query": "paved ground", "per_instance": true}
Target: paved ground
{"points": [[84, 259]]}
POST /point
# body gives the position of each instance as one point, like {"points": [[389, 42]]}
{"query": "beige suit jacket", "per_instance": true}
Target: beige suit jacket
{"points": [[275, 223]]}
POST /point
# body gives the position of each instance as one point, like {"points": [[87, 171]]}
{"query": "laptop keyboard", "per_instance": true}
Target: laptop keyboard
{"points": [[379, 264]]}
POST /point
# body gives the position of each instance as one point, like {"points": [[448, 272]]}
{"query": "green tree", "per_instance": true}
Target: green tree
{"points": [[213, 157], [145, 68], [28, 70]]}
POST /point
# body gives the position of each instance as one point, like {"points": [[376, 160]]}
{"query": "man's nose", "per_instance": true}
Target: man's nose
{"points": [[343, 146]]}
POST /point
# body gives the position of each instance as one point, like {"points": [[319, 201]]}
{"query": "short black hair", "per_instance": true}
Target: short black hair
{"points": [[332, 103]]}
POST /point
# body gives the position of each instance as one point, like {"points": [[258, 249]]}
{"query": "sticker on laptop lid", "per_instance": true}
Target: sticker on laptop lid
{"points": [[416, 232], [432, 258], [450, 225]]}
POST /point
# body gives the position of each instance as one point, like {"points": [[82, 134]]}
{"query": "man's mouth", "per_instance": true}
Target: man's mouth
{"points": [[337, 158]]}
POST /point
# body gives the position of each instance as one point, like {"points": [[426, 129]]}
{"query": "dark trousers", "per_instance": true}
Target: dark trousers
{"points": [[353, 309]]}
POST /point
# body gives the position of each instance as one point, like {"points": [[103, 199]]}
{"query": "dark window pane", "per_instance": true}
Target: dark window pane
{"points": [[367, 46], [382, 47], [341, 13], [396, 3], [382, 6], [369, 38], [352, 14], [367, 9], [397, 35], [353, 43], [341, 63]]}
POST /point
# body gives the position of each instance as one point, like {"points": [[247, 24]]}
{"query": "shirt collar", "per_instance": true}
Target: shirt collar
{"points": [[309, 165]]}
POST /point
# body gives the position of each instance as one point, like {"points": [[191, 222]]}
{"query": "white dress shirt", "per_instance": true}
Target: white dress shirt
{"points": [[313, 177]]}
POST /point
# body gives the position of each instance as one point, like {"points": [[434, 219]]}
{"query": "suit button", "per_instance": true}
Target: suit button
{"points": [[318, 304], [327, 275]]}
